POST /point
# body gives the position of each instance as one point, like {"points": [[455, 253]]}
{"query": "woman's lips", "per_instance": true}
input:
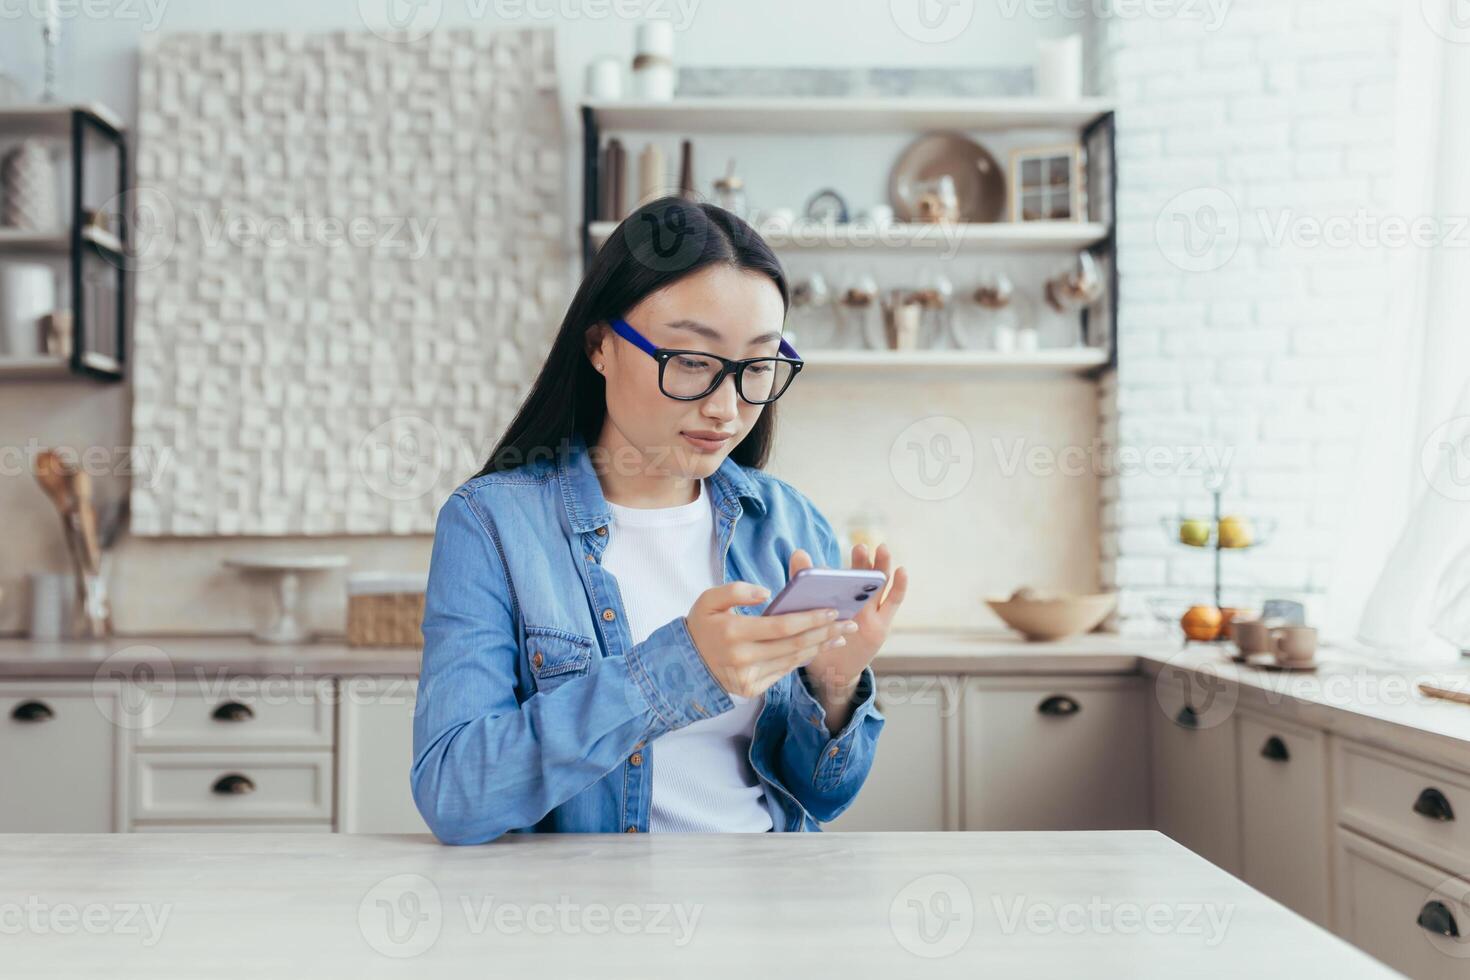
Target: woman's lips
{"points": [[707, 444]]}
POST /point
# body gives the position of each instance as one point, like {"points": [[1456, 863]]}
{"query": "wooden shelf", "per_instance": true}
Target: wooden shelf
{"points": [[12, 241], [1008, 236], [51, 120], [37, 368], [1056, 360], [844, 115]]}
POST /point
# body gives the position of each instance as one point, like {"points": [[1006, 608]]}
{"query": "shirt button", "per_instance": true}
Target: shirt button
{"points": [[832, 751], [632, 830], [609, 615], [588, 556], [636, 758], [537, 660], [602, 532]]}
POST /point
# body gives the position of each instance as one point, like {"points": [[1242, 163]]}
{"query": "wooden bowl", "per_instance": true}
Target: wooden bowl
{"points": [[1054, 617]]}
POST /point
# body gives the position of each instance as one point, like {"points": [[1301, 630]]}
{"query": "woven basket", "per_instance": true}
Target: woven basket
{"points": [[383, 612]]}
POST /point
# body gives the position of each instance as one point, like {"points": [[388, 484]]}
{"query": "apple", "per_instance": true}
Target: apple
{"points": [[1194, 532], [1236, 532]]}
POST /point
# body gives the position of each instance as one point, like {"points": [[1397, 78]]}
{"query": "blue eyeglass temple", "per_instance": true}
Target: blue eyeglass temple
{"points": [[633, 336]]}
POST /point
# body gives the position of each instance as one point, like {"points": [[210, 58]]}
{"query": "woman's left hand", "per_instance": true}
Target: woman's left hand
{"points": [[840, 668]]}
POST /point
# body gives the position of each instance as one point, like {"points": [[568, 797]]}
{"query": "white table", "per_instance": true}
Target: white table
{"points": [[1109, 904]]}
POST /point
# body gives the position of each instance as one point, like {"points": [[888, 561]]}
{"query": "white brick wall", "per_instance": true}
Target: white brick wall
{"points": [[1284, 111]]}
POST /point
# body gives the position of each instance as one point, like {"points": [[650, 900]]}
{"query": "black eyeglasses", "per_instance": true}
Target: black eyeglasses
{"points": [[689, 375]]}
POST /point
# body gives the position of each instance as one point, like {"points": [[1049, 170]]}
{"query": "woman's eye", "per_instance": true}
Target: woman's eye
{"points": [[759, 369], [692, 363]]}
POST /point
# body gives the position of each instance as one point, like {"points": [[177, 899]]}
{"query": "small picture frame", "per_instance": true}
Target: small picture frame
{"points": [[1047, 184]]}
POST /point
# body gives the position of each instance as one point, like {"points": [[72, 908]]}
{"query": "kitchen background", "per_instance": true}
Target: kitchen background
{"points": [[1318, 372]]}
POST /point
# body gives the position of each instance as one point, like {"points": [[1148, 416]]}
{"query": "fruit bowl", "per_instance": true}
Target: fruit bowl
{"points": [[1053, 616], [1231, 533]]}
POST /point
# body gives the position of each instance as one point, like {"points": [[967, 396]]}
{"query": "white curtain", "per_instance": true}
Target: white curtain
{"points": [[1408, 588]]}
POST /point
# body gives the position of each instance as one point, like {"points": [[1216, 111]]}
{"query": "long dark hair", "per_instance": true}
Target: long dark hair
{"points": [[657, 245]]}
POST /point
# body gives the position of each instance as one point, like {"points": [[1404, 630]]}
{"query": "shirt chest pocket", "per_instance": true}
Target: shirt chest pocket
{"points": [[556, 656]]}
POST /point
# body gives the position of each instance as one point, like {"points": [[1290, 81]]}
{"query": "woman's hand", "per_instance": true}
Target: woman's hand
{"points": [[836, 672], [747, 654]]}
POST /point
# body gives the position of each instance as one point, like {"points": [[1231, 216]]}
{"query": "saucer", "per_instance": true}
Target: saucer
{"points": [[1268, 661]]}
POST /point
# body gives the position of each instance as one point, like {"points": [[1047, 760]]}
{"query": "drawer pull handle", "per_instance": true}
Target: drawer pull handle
{"points": [[1432, 804], [1435, 917], [1187, 717], [31, 711], [233, 785], [233, 711], [1275, 749], [1059, 705]]}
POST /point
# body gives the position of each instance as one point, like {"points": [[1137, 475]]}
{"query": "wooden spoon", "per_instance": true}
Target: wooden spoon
{"points": [[87, 520]]}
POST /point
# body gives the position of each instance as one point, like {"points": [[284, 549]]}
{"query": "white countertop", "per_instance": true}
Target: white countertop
{"points": [[1126, 904]]}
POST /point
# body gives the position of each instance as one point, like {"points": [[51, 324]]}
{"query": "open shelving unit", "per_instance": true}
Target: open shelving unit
{"points": [[1091, 119], [98, 349]]}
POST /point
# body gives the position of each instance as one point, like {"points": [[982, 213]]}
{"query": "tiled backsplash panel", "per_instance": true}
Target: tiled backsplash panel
{"points": [[355, 253]]}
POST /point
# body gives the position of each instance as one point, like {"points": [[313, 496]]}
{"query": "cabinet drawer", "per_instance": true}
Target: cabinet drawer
{"points": [[1285, 823], [59, 756], [232, 786], [1414, 806], [1062, 753], [247, 713], [1382, 898]]}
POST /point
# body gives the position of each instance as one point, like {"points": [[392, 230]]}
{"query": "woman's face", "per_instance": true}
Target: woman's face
{"points": [[719, 310]]}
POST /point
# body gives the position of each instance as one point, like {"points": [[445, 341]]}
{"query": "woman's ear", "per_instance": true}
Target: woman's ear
{"points": [[592, 344]]}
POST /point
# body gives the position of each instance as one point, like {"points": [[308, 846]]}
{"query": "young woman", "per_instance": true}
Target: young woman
{"points": [[594, 658]]}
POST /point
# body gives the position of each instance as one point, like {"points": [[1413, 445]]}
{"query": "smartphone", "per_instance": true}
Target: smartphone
{"points": [[845, 589]]}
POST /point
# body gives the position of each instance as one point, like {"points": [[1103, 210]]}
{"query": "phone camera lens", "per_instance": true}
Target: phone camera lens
{"points": [[870, 588], [860, 597]]}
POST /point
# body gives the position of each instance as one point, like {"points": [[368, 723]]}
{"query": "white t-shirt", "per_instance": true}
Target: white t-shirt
{"points": [[663, 558]]}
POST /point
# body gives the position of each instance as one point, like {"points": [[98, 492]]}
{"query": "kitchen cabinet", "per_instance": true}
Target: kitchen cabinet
{"points": [[374, 754], [1285, 819], [1060, 753], [1196, 798], [1400, 910], [60, 756], [912, 784]]}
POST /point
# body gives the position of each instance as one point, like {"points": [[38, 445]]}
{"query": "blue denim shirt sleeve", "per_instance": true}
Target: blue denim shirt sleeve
{"points": [[485, 762], [824, 771]]}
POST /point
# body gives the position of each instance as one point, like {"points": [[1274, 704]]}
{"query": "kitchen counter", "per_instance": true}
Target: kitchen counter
{"points": [[1126, 904], [1370, 701]]}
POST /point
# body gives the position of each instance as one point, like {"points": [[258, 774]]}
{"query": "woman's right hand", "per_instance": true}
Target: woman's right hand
{"points": [[747, 654]]}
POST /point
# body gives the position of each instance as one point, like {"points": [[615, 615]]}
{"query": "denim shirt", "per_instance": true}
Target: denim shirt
{"points": [[537, 713]]}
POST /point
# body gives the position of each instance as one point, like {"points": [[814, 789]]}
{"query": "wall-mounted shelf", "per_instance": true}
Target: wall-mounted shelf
{"points": [[1056, 360], [38, 368], [1001, 235], [1090, 119], [713, 114], [96, 269]]}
